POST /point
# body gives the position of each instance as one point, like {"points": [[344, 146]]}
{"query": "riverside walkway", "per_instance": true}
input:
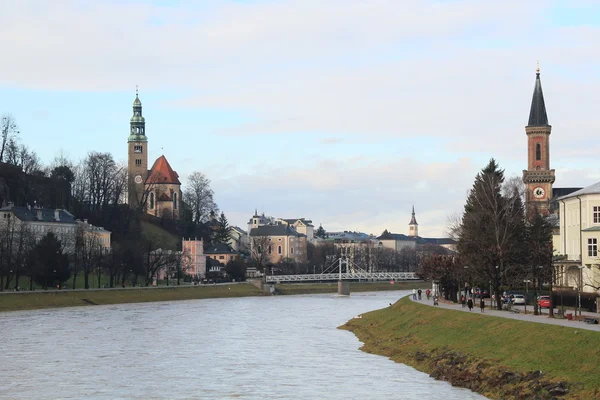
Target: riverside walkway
{"points": [[542, 319]]}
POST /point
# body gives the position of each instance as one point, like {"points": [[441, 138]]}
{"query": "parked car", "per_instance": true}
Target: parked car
{"points": [[508, 294], [544, 301], [478, 292], [517, 299]]}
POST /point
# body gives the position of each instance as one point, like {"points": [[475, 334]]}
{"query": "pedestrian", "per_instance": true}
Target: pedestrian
{"points": [[435, 300], [462, 301], [428, 293], [414, 294], [470, 304], [419, 293], [482, 304]]}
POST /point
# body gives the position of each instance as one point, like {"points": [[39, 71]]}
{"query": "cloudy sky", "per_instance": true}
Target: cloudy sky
{"points": [[346, 112]]}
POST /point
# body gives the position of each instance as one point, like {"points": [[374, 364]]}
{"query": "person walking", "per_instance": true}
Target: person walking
{"points": [[414, 294], [419, 293], [462, 301], [482, 305], [470, 304], [428, 293]]}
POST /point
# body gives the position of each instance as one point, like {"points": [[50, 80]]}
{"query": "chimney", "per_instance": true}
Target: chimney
{"points": [[39, 214], [57, 215]]}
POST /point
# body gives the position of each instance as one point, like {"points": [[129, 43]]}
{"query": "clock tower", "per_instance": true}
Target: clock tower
{"points": [[538, 177], [137, 165]]}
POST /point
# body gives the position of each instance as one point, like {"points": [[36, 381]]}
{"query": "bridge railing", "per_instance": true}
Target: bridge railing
{"points": [[379, 276]]}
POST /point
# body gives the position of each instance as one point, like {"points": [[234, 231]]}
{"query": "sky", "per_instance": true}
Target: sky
{"points": [[345, 112]]}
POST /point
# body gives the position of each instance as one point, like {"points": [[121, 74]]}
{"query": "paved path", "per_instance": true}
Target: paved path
{"points": [[542, 319]]}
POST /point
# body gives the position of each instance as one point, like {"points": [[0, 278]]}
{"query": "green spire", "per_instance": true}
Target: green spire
{"points": [[137, 131]]}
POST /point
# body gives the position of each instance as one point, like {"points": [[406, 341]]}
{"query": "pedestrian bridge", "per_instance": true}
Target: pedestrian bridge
{"points": [[345, 276]]}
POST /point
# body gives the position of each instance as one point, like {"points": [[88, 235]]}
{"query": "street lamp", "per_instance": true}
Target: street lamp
{"points": [[580, 287], [526, 293]]}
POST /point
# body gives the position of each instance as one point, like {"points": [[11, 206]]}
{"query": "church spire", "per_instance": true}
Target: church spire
{"points": [[137, 122], [413, 227], [413, 220], [537, 114]]}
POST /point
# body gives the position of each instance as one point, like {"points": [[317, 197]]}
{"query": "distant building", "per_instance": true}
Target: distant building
{"points": [[95, 235], [221, 252], [194, 260], [283, 241], [239, 240], [303, 226], [41, 221]]}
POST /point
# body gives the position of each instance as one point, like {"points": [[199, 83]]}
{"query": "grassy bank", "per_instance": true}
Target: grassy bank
{"points": [[495, 356], [42, 299], [331, 287]]}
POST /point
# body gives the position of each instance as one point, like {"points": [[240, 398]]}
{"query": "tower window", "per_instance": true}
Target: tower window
{"points": [[151, 200], [175, 201], [137, 149], [138, 162], [538, 151]]}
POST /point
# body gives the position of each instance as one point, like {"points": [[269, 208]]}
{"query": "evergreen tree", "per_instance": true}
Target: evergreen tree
{"points": [[491, 235], [539, 251], [321, 232], [223, 230], [50, 266]]}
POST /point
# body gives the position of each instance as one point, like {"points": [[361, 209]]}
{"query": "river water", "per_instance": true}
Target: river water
{"points": [[282, 347]]}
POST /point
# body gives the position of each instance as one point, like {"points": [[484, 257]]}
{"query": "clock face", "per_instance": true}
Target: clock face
{"points": [[538, 192], [138, 179]]}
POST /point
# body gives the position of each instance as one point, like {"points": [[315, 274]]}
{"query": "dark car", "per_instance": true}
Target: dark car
{"points": [[478, 292]]}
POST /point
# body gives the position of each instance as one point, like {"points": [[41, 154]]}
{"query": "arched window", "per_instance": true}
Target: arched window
{"points": [[538, 151], [152, 200], [269, 249], [278, 249], [175, 201]]}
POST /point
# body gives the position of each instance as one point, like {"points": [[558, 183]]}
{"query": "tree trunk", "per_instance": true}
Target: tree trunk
{"points": [[74, 280], [551, 308]]}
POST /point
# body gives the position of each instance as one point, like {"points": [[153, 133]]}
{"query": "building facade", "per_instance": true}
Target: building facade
{"points": [[577, 242], [194, 260]]}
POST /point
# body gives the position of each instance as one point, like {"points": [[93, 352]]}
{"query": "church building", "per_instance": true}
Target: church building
{"points": [[157, 190]]}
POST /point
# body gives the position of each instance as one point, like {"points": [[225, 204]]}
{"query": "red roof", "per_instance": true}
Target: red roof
{"points": [[162, 172]]}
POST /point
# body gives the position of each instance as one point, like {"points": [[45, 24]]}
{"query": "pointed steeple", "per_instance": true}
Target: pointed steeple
{"points": [[537, 114], [137, 128], [413, 220]]}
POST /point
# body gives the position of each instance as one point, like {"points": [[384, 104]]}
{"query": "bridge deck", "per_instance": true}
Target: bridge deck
{"points": [[378, 276]]}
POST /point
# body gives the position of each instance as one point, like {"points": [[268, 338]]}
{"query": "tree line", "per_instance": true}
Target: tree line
{"points": [[98, 193], [500, 244]]}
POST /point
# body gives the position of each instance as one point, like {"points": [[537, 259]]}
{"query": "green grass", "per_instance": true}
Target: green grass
{"points": [[169, 241], [562, 353], [331, 287], [42, 299]]}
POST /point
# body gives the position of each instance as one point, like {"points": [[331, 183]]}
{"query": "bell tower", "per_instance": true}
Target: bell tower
{"points": [[137, 144], [413, 227], [538, 177]]}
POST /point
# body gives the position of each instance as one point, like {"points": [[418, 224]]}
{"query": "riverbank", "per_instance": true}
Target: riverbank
{"points": [[15, 301], [498, 357]]}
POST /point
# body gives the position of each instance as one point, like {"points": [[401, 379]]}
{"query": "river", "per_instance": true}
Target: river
{"points": [[281, 347]]}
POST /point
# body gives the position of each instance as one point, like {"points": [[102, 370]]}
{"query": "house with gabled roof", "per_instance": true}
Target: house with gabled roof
{"points": [[278, 240]]}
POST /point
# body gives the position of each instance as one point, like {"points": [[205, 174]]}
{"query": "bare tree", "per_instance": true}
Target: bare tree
{"points": [[259, 251], [199, 197], [8, 131], [16, 241]]}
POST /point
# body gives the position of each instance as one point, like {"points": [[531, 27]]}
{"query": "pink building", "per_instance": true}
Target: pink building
{"points": [[194, 260]]}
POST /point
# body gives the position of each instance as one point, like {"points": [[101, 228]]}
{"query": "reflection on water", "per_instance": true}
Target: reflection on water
{"points": [[283, 347]]}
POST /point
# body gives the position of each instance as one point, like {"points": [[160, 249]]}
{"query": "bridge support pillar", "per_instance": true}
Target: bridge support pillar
{"points": [[344, 288]]}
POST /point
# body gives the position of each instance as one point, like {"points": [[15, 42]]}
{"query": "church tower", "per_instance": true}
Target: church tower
{"points": [[538, 177], [413, 227], [137, 143]]}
